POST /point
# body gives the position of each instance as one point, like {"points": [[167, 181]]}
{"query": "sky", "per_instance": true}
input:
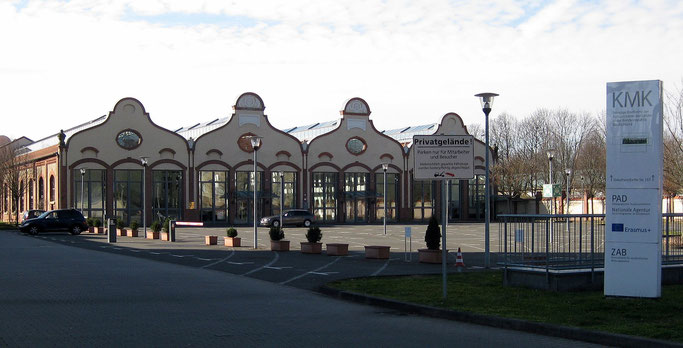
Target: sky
{"points": [[63, 63]]}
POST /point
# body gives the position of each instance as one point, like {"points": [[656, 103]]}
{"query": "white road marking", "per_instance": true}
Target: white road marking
{"points": [[277, 257], [381, 268], [232, 252], [313, 271], [203, 259], [277, 268], [240, 263]]}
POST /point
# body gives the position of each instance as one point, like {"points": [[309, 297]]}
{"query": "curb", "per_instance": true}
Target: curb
{"points": [[599, 337]]}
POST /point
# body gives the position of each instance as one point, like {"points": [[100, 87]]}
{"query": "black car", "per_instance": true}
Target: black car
{"points": [[56, 220], [300, 217]]}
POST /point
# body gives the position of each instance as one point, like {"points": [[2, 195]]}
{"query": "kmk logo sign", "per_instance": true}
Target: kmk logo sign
{"points": [[625, 99]]}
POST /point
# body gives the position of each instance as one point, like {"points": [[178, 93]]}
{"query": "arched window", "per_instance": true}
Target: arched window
{"points": [[30, 194], [41, 194], [52, 188]]}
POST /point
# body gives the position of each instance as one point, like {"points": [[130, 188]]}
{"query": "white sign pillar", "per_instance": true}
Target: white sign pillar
{"points": [[633, 226]]}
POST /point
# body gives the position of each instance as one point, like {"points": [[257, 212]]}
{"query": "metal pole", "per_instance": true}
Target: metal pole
{"points": [[82, 175], [282, 196], [385, 201], [444, 251], [552, 199], [487, 256], [255, 212], [144, 202]]}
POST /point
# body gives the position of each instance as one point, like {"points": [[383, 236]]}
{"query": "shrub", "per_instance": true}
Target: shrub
{"points": [[96, 222], [119, 224], [276, 233], [433, 234], [134, 225], [89, 221], [314, 235], [167, 223], [231, 232], [156, 226]]}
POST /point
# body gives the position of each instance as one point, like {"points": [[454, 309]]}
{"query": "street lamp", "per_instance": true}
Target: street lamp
{"points": [[486, 100], [255, 144], [82, 175], [551, 154], [143, 161], [568, 173], [385, 166]]}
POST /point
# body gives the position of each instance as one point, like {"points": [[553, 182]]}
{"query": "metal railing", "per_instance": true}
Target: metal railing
{"points": [[576, 241]]}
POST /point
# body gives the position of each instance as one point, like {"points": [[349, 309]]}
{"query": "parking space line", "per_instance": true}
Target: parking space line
{"points": [[381, 268], [232, 252], [277, 257], [313, 271]]}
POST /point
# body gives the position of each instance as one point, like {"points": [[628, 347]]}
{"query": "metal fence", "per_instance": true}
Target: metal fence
{"points": [[575, 241]]}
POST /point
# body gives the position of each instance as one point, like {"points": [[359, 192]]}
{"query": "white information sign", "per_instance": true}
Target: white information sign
{"points": [[443, 157], [633, 226]]}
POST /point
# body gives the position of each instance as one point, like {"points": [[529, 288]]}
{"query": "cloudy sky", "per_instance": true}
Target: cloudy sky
{"points": [[67, 62]]}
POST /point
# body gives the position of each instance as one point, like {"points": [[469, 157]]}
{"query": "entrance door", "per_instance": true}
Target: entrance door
{"points": [[355, 190]]}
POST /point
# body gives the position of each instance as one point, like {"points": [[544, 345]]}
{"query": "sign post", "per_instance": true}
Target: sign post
{"points": [[633, 226], [443, 157]]}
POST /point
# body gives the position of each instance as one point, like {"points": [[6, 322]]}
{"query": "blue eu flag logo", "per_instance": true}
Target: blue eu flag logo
{"points": [[617, 227]]}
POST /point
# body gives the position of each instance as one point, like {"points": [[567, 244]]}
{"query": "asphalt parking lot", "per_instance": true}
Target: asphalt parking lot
{"points": [[293, 268]]}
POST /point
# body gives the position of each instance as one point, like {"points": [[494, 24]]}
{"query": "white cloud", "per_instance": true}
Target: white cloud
{"points": [[412, 61]]}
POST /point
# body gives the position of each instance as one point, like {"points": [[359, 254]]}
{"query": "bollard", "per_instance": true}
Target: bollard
{"points": [[171, 231], [111, 231]]}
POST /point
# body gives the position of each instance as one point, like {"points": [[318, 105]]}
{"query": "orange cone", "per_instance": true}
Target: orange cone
{"points": [[458, 261]]}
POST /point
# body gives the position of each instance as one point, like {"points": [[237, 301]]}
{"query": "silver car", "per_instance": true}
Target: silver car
{"points": [[299, 217]]}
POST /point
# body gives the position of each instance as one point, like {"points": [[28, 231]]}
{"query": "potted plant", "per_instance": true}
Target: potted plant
{"points": [[155, 228], [313, 246], [166, 230], [96, 225], [133, 230], [276, 242], [231, 240], [90, 223], [120, 228], [433, 240]]}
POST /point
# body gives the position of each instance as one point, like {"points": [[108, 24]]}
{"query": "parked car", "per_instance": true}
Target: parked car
{"points": [[30, 214], [300, 217], [56, 220]]}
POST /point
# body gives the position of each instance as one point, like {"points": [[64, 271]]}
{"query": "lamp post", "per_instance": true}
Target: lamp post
{"points": [[385, 166], [551, 154], [256, 144], [486, 100], [282, 197], [568, 173], [82, 175], [143, 161]]}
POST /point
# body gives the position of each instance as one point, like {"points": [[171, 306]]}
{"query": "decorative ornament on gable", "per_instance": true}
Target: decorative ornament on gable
{"points": [[249, 101], [356, 106]]}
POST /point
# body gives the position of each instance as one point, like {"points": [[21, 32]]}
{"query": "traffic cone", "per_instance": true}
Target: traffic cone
{"points": [[459, 263]]}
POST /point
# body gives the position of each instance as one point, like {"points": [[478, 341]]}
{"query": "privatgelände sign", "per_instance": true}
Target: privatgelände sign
{"points": [[633, 221], [443, 157]]}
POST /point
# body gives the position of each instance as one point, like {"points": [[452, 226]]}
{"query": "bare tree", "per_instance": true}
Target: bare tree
{"points": [[14, 178], [591, 164], [673, 144]]}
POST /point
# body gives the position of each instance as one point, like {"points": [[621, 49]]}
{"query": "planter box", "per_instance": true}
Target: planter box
{"points": [[98, 230], [232, 241], [165, 236], [121, 232], [311, 248], [131, 233], [337, 249], [211, 240], [429, 256], [91, 229], [279, 245], [377, 252], [152, 235]]}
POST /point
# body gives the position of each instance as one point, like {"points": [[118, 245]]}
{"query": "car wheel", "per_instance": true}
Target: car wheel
{"points": [[307, 223], [33, 230], [276, 223], [76, 229]]}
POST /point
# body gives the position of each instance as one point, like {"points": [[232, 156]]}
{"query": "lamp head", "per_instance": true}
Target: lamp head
{"points": [[82, 171], [385, 166], [568, 171], [143, 160], [255, 142], [551, 154], [486, 100]]}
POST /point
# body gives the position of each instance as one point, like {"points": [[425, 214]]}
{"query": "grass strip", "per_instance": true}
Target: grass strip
{"points": [[484, 293]]}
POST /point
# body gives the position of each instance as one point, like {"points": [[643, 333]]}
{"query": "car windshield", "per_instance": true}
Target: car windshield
{"points": [[43, 215]]}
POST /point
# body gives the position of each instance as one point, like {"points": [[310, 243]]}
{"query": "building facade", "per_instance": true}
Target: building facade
{"points": [[124, 165]]}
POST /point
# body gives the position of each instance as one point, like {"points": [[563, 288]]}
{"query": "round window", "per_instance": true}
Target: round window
{"points": [[356, 146], [128, 139]]}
